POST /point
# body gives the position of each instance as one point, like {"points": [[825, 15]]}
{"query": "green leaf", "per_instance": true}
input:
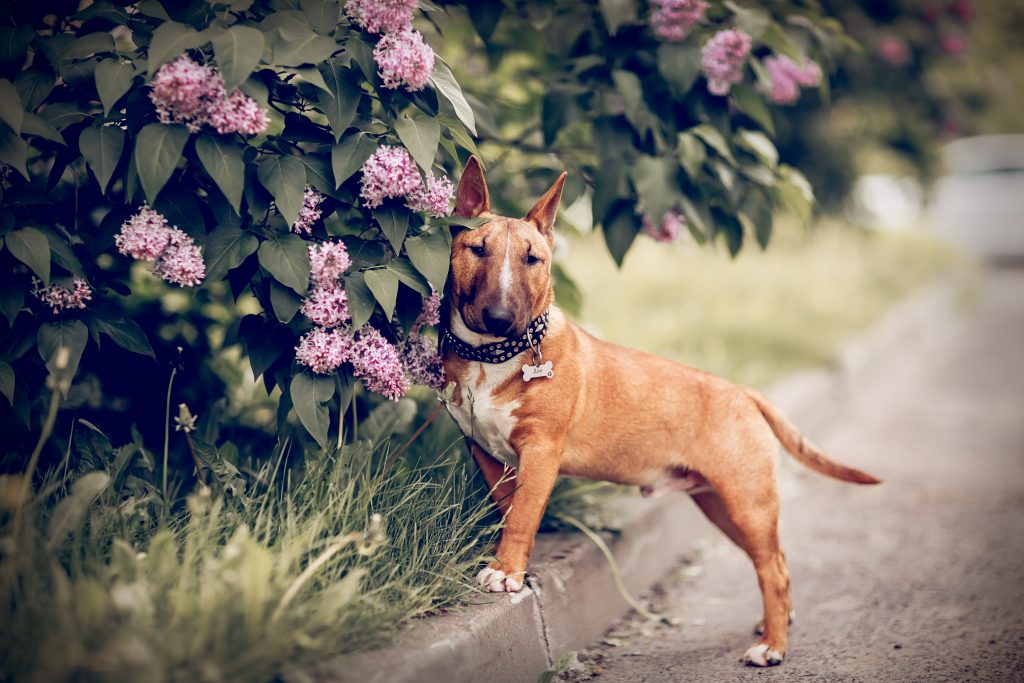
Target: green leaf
{"points": [[11, 112], [485, 17], [361, 301], [13, 150], [431, 252], [753, 22], [102, 147], [757, 209], [420, 136], [34, 85], [126, 333], [691, 154], [348, 155], [629, 86], [170, 40], [12, 298], [774, 37], [795, 192], [285, 177], [680, 65], [287, 259], [87, 45], [36, 125], [609, 186], [238, 50], [459, 134], [295, 45], [408, 275], [29, 246], [69, 514], [7, 382], [61, 252], [444, 82], [655, 182], [222, 159], [284, 301], [758, 143], [384, 285], [226, 248], [712, 137], [309, 393], [616, 13], [750, 103], [339, 104], [322, 15], [14, 44], [158, 150], [620, 228], [394, 221], [72, 334]]}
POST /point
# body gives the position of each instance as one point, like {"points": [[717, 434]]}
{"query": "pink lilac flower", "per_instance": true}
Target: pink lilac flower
{"points": [[434, 198], [237, 113], [952, 45], [327, 306], [964, 10], [144, 236], [422, 362], [668, 231], [310, 211], [181, 263], [788, 76], [323, 350], [389, 172], [381, 16], [673, 19], [723, 59], [378, 364], [59, 297], [327, 262], [183, 91], [430, 314], [404, 57], [893, 49]]}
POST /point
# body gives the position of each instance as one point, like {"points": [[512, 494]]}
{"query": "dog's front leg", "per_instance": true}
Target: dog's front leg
{"points": [[538, 469]]}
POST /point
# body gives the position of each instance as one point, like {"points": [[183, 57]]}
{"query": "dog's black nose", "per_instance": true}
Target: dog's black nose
{"points": [[498, 320]]}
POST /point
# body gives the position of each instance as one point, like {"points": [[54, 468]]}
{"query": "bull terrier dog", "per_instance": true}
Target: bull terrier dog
{"points": [[537, 397]]}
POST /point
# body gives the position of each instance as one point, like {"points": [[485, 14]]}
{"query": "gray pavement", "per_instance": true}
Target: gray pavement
{"points": [[921, 578]]}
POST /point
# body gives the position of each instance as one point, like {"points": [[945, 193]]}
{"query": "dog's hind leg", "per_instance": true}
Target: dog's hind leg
{"points": [[754, 528]]}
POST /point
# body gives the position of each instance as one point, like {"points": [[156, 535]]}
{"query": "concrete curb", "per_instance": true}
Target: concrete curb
{"points": [[571, 598]]}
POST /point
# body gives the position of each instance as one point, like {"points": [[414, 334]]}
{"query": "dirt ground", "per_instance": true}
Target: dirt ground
{"points": [[918, 579]]}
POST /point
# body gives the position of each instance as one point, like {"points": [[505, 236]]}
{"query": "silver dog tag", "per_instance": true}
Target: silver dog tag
{"points": [[543, 370]]}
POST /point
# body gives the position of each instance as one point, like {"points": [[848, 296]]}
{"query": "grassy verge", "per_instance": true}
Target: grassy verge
{"points": [[247, 583], [761, 315]]}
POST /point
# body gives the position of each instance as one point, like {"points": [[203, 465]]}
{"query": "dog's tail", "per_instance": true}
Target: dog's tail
{"points": [[801, 447]]}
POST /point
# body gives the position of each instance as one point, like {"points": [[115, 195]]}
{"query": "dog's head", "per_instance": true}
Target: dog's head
{"points": [[501, 271]]}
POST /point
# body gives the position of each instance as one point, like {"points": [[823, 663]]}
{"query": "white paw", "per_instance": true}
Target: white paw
{"points": [[761, 655], [496, 581]]}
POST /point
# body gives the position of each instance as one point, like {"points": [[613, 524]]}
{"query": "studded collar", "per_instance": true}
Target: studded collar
{"points": [[500, 351]]}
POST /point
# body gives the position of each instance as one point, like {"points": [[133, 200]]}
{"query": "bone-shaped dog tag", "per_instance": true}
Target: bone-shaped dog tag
{"points": [[543, 370]]}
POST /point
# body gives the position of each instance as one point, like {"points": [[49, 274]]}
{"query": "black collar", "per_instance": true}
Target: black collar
{"points": [[501, 351]]}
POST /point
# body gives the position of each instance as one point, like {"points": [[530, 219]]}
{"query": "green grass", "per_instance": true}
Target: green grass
{"points": [[757, 317], [239, 586]]}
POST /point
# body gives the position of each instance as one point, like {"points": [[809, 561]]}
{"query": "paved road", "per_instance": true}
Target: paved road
{"points": [[919, 579]]}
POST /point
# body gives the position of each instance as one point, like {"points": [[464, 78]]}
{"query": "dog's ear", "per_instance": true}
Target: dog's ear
{"points": [[472, 199], [544, 211]]}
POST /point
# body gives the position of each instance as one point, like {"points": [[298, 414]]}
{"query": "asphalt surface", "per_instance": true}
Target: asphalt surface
{"points": [[919, 579]]}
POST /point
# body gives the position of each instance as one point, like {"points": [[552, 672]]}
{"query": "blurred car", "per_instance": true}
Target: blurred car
{"points": [[979, 203]]}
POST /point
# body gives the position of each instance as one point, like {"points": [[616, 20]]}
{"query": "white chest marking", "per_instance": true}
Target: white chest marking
{"points": [[482, 419]]}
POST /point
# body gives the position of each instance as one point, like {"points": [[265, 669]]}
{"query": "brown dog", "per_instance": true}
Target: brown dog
{"points": [[537, 395]]}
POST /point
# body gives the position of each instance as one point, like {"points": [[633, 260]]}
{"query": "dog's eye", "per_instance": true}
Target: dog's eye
{"points": [[478, 250], [532, 260]]}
